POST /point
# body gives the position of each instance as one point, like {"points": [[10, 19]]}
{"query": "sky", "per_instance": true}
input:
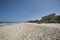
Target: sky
{"points": [[24, 10]]}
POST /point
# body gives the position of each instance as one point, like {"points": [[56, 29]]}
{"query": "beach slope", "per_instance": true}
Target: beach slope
{"points": [[30, 31]]}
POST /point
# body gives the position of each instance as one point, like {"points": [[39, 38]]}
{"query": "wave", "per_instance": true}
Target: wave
{"points": [[3, 24]]}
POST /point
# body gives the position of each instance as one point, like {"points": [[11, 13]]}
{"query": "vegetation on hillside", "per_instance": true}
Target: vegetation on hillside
{"points": [[52, 18]]}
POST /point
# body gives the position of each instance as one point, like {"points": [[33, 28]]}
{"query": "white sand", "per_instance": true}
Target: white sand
{"points": [[30, 31]]}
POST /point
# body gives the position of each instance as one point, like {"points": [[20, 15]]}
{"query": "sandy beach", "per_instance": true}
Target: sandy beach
{"points": [[30, 31]]}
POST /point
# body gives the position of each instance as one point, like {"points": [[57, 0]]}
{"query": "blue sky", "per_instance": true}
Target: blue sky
{"points": [[24, 10]]}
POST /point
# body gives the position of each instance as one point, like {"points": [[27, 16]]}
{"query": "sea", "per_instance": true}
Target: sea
{"points": [[4, 23]]}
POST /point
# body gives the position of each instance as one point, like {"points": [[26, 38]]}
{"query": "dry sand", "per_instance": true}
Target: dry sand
{"points": [[30, 31]]}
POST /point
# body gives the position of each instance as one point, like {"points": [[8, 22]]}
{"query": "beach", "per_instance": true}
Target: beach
{"points": [[30, 31]]}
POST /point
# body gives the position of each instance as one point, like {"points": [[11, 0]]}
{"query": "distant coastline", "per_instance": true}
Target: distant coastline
{"points": [[51, 18]]}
